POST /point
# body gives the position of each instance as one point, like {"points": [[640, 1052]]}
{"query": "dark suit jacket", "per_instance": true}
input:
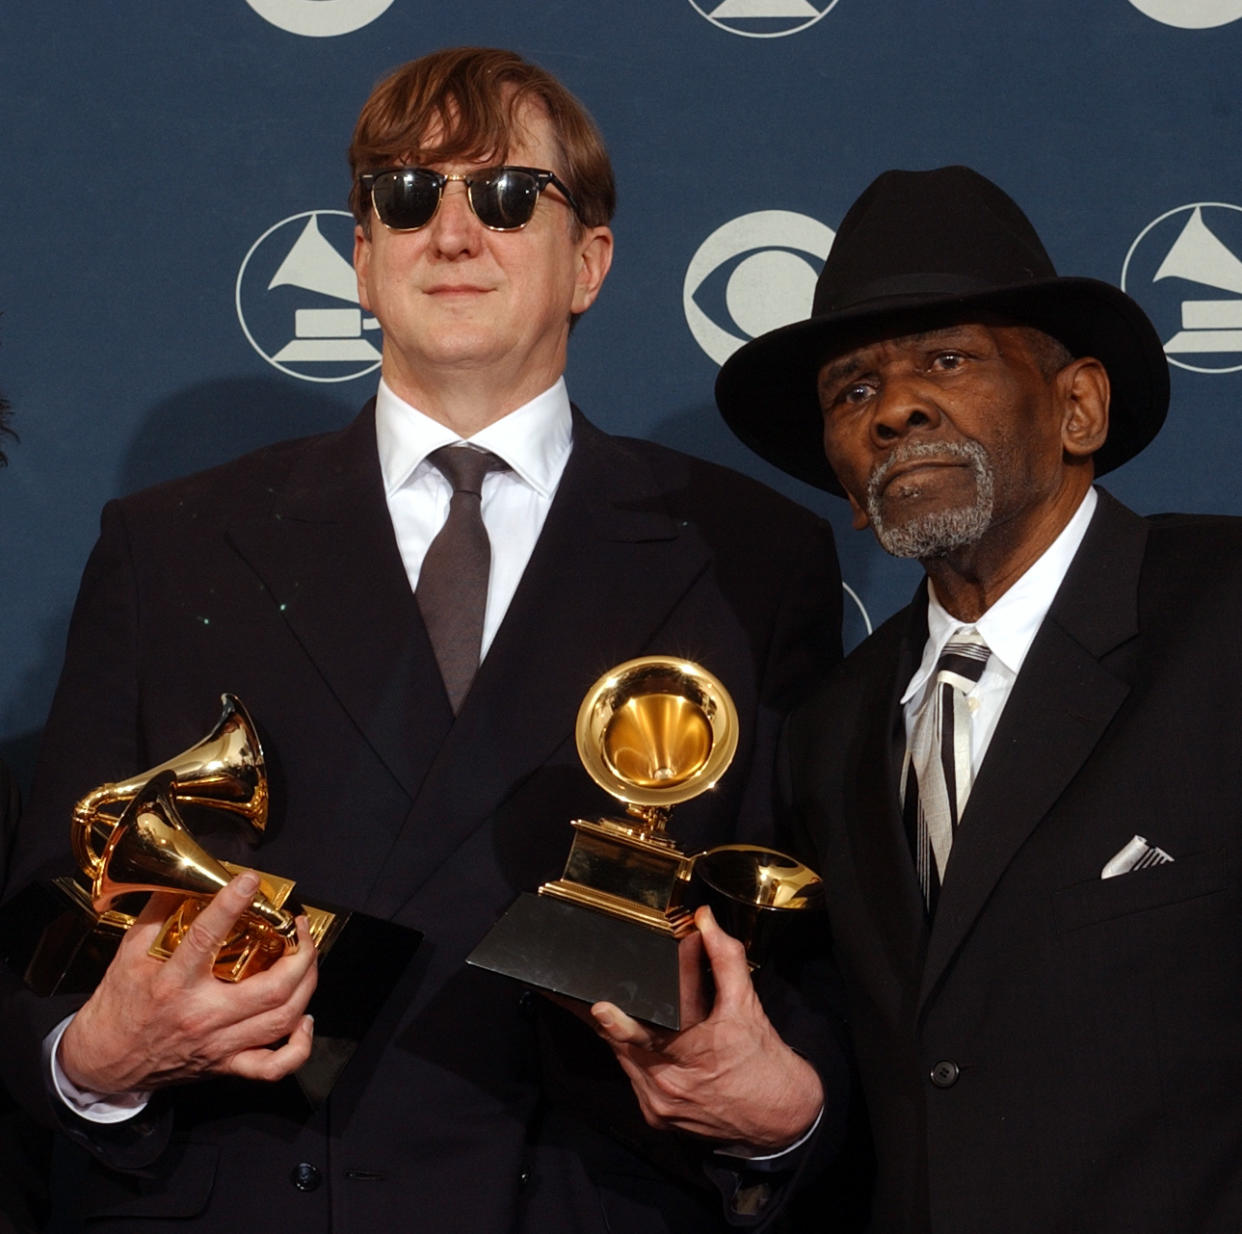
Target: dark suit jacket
{"points": [[277, 577], [1091, 1030], [23, 1146]]}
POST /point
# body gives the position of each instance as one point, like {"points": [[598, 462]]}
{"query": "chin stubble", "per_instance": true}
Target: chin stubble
{"points": [[939, 531]]}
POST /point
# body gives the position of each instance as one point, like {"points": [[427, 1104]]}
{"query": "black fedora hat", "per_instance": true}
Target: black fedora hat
{"points": [[919, 242]]}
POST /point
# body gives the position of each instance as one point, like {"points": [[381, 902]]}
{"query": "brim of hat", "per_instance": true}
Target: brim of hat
{"points": [[766, 390]]}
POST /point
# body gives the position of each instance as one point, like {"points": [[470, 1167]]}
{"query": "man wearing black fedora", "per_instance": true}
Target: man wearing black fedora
{"points": [[1023, 790]]}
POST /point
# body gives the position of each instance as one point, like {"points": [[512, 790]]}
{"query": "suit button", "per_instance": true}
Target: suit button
{"points": [[944, 1074], [305, 1177]]}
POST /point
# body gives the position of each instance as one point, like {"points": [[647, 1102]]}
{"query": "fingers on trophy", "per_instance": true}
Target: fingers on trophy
{"points": [[130, 839]]}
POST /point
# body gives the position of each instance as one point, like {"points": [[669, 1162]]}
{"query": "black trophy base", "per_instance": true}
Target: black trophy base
{"points": [[356, 974], [54, 941], [581, 953]]}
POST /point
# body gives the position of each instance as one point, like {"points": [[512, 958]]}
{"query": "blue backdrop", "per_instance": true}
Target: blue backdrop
{"points": [[173, 280]]}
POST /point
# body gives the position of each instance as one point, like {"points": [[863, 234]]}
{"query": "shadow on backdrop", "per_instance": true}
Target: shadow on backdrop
{"points": [[196, 428], [207, 424]]}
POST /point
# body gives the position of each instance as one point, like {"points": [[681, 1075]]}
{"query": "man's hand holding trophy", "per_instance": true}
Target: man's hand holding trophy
{"points": [[671, 990], [214, 974], [151, 1022]]}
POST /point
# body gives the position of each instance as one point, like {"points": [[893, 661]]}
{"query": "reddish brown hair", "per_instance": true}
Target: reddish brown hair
{"points": [[471, 98]]}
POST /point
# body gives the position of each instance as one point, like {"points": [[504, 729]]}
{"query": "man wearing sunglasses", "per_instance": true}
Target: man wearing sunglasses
{"points": [[423, 767]]}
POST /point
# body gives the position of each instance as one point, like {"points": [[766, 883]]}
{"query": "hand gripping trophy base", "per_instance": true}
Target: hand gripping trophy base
{"points": [[608, 929], [652, 732]]}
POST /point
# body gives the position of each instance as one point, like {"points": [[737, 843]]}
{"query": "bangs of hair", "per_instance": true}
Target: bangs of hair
{"points": [[471, 103]]}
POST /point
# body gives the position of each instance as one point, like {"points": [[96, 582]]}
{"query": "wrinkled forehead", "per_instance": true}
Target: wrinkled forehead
{"points": [[850, 348]]}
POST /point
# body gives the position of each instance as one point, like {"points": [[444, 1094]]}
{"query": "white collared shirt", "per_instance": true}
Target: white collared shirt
{"points": [[1008, 627], [535, 441]]}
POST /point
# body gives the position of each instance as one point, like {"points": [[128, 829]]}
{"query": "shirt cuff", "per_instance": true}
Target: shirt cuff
{"points": [[94, 1107], [769, 1161]]}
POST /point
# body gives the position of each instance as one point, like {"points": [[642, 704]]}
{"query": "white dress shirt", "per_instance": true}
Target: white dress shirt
{"points": [[1008, 627], [535, 442]]}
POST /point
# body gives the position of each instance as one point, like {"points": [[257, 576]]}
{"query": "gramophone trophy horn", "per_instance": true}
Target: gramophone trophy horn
{"points": [[753, 891], [150, 849], [652, 732], [224, 771]]}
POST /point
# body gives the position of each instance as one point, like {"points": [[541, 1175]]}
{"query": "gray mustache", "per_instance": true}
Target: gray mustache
{"points": [[904, 453]]}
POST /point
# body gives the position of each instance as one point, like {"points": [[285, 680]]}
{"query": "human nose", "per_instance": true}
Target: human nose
{"points": [[455, 231], [903, 405]]}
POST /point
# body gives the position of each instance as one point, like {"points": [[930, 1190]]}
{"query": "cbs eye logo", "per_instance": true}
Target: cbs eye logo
{"points": [[751, 275]]}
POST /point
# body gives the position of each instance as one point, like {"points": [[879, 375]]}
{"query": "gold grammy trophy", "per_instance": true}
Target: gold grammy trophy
{"points": [[130, 839], [150, 849], [225, 772], [653, 732]]}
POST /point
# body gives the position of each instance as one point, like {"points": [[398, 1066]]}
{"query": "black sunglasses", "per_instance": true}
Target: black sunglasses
{"points": [[502, 198]]}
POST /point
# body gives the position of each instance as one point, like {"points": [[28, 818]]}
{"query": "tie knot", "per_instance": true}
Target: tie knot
{"points": [[962, 661], [465, 466]]}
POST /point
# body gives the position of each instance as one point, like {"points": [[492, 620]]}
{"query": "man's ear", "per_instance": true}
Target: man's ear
{"points": [[857, 511], [594, 260], [362, 263], [1084, 389], [861, 521]]}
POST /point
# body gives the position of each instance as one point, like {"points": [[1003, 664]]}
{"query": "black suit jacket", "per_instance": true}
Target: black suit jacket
{"points": [[277, 577], [1091, 1030], [23, 1144]]}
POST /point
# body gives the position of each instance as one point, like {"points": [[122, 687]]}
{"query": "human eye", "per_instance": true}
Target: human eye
{"points": [[946, 360], [846, 394]]}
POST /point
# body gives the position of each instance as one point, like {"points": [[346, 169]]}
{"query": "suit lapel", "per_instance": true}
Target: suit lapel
{"points": [[330, 561], [609, 566], [1063, 700], [877, 833]]}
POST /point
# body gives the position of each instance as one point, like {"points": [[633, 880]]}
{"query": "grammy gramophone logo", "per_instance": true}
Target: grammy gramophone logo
{"points": [[297, 300], [763, 19], [1185, 269]]}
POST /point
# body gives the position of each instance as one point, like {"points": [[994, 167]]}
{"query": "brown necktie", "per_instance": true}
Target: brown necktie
{"points": [[452, 584]]}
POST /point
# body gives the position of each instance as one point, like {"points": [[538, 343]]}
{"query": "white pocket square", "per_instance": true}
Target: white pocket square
{"points": [[1136, 855]]}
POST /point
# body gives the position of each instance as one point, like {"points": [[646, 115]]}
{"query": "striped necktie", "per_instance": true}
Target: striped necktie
{"points": [[937, 774]]}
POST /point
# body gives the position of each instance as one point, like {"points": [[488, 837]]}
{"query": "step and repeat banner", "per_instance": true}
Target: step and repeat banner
{"points": [[175, 286]]}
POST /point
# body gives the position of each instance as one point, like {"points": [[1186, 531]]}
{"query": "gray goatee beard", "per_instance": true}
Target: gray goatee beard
{"points": [[939, 531]]}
